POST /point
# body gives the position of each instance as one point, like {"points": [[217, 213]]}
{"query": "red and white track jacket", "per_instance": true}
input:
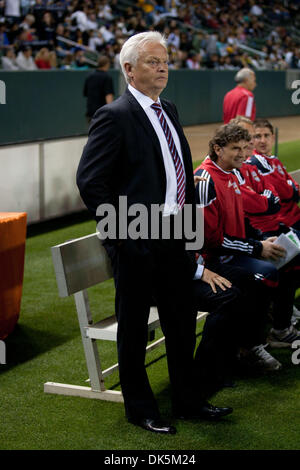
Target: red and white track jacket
{"points": [[224, 227], [274, 173]]}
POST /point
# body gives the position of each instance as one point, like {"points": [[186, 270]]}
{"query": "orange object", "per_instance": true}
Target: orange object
{"points": [[12, 253]]}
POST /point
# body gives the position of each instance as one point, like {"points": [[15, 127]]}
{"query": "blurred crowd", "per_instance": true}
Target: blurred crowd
{"points": [[202, 34]]}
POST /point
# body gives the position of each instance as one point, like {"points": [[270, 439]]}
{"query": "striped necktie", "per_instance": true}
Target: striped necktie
{"points": [[176, 158]]}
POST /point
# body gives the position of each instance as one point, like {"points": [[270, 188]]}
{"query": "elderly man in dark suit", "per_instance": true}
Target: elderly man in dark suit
{"points": [[137, 149]]}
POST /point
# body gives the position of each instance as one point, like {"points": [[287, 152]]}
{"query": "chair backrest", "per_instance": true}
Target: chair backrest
{"points": [[79, 264]]}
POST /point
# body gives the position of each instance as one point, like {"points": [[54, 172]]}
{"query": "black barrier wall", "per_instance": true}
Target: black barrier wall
{"points": [[45, 105]]}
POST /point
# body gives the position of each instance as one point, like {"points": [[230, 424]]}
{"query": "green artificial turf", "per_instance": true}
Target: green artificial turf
{"points": [[46, 346], [289, 153]]}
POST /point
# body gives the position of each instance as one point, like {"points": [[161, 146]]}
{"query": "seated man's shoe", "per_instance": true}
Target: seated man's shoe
{"points": [[206, 411], [154, 425]]}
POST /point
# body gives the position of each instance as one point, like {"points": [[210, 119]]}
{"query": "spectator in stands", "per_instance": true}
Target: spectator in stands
{"points": [[79, 62], [25, 60], [12, 10], [28, 23], [80, 16], [9, 60], [240, 100], [174, 38], [46, 29], [98, 87], [224, 230], [92, 24], [42, 59], [193, 61], [255, 9], [96, 41], [61, 47], [67, 61], [4, 41], [105, 12], [107, 33]]}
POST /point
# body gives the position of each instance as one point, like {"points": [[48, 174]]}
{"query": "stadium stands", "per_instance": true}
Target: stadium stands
{"points": [[219, 35]]}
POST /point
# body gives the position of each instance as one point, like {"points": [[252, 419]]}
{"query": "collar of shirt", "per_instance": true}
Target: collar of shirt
{"points": [[221, 169], [144, 100]]}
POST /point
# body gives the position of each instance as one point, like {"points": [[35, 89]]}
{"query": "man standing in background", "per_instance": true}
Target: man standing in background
{"points": [[98, 87], [240, 100]]}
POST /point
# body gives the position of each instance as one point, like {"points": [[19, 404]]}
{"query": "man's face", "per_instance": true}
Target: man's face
{"points": [[251, 81], [250, 146], [27, 53], [263, 140], [150, 74], [232, 155]]}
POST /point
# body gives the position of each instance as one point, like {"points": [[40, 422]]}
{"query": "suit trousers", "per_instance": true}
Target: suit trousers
{"points": [[146, 273]]}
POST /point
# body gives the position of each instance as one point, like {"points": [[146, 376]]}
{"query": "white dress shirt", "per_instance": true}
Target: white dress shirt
{"points": [[170, 206]]}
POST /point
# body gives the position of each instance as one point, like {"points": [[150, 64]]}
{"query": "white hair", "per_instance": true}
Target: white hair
{"points": [[243, 75], [131, 48]]}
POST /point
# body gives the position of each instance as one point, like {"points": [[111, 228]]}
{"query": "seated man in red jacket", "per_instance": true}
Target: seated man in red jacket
{"points": [[260, 199], [264, 209], [274, 173], [225, 236]]}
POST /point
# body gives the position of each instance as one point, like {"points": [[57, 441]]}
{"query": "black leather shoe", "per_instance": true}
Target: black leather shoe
{"points": [[154, 425], [206, 411]]}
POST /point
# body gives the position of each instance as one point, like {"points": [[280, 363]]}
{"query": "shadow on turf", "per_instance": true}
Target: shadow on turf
{"points": [[25, 343]]}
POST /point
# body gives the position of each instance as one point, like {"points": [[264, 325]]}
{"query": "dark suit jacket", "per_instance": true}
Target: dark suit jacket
{"points": [[123, 157]]}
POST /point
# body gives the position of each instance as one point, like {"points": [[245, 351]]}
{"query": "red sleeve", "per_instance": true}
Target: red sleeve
{"points": [[253, 202], [213, 225], [284, 190], [206, 197], [289, 177], [260, 184], [272, 178], [258, 198]]}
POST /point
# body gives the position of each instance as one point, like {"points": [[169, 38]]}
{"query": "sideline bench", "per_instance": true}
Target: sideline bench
{"points": [[80, 264]]}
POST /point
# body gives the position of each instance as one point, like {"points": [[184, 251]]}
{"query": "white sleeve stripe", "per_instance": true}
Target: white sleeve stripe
{"points": [[239, 176], [267, 193], [204, 188], [237, 245], [249, 106], [264, 164]]}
